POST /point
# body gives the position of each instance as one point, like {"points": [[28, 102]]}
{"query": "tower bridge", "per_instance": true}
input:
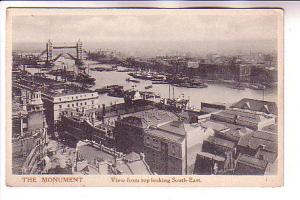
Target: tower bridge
{"points": [[50, 59]]}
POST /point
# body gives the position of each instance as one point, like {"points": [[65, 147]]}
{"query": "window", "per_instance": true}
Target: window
{"points": [[60, 106], [173, 149], [76, 104], [72, 104], [68, 105], [84, 103], [59, 99], [147, 140], [92, 101]]}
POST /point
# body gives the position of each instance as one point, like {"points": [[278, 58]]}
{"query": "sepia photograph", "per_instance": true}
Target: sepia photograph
{"points": [[173, 97]]}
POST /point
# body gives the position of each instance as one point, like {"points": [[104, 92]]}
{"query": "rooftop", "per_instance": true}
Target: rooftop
{"points": [[257, 105], [215, 125], [130, 164], [165, 135], [211, 156], [271, 128], [175, 127], [240, 117], [153, 117], [220, 142], [229, 125], [122, 109], [260, 139], [252, 161], [233, 134]]}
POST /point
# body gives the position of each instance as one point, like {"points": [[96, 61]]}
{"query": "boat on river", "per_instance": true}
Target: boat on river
{"points": [[133, 80], [108, 89], [257, 86], [148, 87]]}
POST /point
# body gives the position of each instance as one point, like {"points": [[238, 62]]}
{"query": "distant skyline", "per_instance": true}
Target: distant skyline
{"points": [[146, 33]]}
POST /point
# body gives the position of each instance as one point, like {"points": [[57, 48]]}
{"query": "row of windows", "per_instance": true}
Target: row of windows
{"points": [[76, 104], [76, 97]]}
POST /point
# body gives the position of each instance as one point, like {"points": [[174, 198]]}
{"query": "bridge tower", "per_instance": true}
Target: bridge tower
{"points": [[49, 50]]}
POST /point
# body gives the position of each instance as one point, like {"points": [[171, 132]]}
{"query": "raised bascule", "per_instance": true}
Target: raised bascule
{"points": [[50, 57]]}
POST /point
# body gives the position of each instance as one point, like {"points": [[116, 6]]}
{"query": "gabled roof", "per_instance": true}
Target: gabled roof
{"points": [[257, 105]]}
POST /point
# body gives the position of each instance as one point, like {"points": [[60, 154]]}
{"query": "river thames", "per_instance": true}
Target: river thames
{"points": [[214, 93]]}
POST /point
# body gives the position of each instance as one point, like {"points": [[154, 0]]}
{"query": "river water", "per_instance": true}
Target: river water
{"points": [[214, 93]]}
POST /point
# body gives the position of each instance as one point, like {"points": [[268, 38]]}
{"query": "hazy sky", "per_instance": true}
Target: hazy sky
{"points": [[146, 28]]}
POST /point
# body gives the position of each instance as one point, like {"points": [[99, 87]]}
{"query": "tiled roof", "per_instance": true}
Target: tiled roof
{"points": [[256, 105]]}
